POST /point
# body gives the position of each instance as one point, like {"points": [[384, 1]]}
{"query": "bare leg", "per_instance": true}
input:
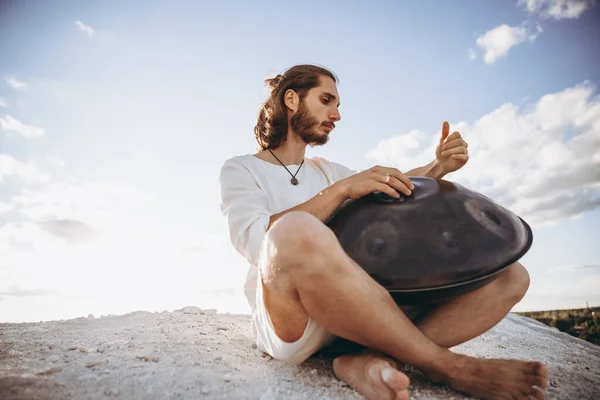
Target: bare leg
{"points": [[456, 321], [305, 272], [468, 316]]}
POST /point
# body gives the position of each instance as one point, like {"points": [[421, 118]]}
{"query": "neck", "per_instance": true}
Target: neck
{"points": [[292, 151]]}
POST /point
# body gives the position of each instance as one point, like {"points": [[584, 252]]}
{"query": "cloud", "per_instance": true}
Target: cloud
{"points": [[85, 28], [27, 172], [497, 42], [2, 102], [14, 83], [19, 291], [5, 207], [105, 206], [10, 124], [556, 9], [542, 163], [56, 161], [70, 230]]}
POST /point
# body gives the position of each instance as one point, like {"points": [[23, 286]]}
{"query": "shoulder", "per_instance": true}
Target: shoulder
{"points": [[336, 168], [333, 170], [236, 168], [243, 163]]}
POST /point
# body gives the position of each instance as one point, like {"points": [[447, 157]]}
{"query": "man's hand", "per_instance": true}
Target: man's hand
{"points": [[382, 179], [451, 153]]}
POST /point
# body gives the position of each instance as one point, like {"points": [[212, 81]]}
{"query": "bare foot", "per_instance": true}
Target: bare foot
{"points": [[496, 378], [372, 375]]}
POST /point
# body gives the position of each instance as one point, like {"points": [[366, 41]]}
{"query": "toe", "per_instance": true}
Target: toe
{"points": [[402, 395], [536, 393], [395, 379], [536, 381], [536, 368]]}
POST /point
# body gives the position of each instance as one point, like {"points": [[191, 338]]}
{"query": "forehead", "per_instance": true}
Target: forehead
{"points": [[327, 85]]}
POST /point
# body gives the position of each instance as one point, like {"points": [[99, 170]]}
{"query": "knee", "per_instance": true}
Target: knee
{"points": [[298, 235], [516, 280]]}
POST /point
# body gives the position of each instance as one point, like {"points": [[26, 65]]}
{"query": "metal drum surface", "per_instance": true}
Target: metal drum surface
{"points": [[442, 241]]}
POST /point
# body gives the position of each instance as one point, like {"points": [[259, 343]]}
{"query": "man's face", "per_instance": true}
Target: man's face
{"points": [[317, 113]]}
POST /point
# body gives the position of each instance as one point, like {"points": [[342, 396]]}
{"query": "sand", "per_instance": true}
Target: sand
{"points": [[197, 354]]}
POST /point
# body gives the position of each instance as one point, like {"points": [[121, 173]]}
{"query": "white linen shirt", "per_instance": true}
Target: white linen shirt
{"points": [[251, 190]]}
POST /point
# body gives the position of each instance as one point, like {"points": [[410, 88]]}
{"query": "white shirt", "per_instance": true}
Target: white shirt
{"points": [[252, 190]]}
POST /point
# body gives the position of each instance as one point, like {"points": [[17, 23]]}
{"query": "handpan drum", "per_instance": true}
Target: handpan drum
{"points": [[441, 241]]}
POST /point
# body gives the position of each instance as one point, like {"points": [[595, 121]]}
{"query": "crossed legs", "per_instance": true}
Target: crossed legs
{"points": [[305, 273]]}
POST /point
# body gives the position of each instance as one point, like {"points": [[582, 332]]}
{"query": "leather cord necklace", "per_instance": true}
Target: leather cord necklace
{"points": [[294, 181]]}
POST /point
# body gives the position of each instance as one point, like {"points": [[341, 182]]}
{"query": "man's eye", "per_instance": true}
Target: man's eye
{"points": [[325, 100]]}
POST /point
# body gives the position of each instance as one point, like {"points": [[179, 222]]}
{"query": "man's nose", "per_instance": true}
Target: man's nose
{"points": [[335, 115]]}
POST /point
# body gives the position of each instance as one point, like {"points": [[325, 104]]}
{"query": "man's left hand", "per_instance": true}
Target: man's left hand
{"points": [[451, 152]]}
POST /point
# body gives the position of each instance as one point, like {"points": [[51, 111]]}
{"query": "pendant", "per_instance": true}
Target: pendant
{"points": [[294, 181]]}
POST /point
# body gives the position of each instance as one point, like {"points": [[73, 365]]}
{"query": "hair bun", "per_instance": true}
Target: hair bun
{"points": [[274, 82]]}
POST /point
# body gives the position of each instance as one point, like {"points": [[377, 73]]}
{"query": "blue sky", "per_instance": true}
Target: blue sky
{"points": [[115, 118]]}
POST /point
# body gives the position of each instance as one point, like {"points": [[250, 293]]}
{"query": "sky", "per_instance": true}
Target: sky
{"points": [[116, 117]]}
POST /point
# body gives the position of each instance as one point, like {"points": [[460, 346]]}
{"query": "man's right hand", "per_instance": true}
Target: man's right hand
{"points": [[383, 179]]}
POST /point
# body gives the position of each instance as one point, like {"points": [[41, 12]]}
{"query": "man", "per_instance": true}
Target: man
{"points": [[305, 291]]}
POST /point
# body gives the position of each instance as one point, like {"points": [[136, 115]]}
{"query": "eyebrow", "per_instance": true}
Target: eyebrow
{"points": [[331, 97]]}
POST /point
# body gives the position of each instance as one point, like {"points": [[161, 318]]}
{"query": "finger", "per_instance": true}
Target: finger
{"points": [[454, 143], [445, 131], [455, 150], [399, 185], [463, 157], [387, 189], [455, 135], [396, 173]]}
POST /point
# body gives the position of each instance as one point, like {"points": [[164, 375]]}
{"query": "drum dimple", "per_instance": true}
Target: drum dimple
{"points": [[491, 216], [376, 246], [450, 239]]}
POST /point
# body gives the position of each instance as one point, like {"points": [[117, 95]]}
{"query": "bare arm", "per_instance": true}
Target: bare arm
{"points": [[321, 206], [431, 170], [383, 179]]}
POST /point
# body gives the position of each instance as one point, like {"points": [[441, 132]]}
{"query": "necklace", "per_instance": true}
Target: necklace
{"points": [[294, 181]]}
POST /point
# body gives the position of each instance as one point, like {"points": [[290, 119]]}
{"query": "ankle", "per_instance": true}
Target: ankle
{"points": [[445, 368]]}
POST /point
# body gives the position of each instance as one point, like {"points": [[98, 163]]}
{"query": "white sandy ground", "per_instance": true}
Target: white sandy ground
{"points": [[196, 354]]}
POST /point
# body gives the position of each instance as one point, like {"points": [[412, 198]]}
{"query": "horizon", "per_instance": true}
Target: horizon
{"points": [[115, 119]]}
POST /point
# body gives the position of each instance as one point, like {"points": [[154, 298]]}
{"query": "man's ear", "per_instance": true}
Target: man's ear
{"points": [[291, 100]]}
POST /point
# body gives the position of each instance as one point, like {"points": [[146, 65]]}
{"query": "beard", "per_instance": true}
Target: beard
{"points": [[305, 127]]}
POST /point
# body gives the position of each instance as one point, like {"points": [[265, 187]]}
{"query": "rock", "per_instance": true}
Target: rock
{"points": [[49, 371], [54, 358], [191, 310], [92, 363], [226, 366], [146, 354]]}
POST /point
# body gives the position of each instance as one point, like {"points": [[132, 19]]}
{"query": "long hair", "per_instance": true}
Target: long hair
{"points": [[272, 125]]}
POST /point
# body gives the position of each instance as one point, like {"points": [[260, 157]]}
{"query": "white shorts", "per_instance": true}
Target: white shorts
{"points": [[314, 338]]}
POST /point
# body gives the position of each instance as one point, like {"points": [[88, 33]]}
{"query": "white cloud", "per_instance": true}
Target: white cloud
{"points": [[2, 102], [101, 205], [101, 243], [542, 163], [56, 161], [14, 83], [25, 171], [5, 207], [85, 28], [10, 124], [556, 9], [497, 42], [472, 54]]}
